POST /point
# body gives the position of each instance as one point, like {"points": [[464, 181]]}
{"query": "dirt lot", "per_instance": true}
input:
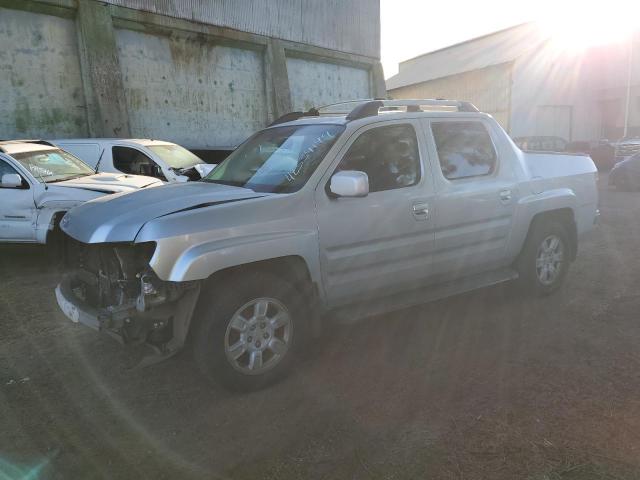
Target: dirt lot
{"points": [[484, 386]]}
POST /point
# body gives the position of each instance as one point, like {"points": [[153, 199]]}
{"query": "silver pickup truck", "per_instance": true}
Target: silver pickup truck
{"points": [[351, 209]]}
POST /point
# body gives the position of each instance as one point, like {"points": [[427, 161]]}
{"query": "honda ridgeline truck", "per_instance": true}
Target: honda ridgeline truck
{"points": [[376, 207]]}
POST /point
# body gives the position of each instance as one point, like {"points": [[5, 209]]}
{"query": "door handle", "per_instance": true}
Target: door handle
{"points": [[421, 210], [505, 196]]}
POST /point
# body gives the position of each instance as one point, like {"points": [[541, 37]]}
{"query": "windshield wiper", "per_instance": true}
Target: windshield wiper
{"points": [[72, 177]]}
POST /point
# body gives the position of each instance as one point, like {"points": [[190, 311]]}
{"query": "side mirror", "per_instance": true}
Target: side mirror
{"points": [[350, 183], [11, 180]]}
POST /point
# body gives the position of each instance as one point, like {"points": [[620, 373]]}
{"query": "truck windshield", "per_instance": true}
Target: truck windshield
{"points": [[53, 165], [277, 160], [176, 156]]}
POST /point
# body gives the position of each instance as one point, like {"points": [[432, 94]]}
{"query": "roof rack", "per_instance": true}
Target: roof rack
{"points": [[356, 109], [291, 116], [374, 107]]}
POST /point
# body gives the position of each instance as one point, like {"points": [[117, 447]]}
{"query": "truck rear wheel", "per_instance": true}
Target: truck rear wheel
{"points": [[544, 261], [250, 330]]}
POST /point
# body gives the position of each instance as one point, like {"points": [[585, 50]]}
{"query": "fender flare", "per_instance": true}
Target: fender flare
{"points": [[530, 206], [201, 261], [46, 221]]}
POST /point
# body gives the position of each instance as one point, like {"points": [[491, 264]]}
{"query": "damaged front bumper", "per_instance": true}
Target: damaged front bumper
{"points": [[160, 321]]}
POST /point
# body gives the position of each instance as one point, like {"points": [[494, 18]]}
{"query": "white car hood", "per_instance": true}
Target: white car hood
{"points": [[119, 218], [110, 182]]}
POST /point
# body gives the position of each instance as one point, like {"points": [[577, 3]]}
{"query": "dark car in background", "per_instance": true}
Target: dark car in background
{"points": [[625, 175], [627, 147], [602, 152]]}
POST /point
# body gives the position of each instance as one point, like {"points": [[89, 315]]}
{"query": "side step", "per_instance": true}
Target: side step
{"points": [[352, 313]]}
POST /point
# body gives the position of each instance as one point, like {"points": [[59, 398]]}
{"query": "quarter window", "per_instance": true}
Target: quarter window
{"points": [[388, 155], [464, 149]]}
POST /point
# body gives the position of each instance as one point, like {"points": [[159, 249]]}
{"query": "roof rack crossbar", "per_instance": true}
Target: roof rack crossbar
{"points": [[371, 108], [291, 116]]}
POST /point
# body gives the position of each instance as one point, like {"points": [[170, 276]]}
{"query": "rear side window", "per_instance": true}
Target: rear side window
{"points": [[464, 149], [388, 155], [88, 152]]}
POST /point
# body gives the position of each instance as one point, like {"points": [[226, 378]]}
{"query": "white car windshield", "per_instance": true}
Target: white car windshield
{"points": [[176, 156], [277, 160], [53, 165]]}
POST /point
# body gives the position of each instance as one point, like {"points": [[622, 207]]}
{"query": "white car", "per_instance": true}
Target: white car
{"points": [[155, 158], [39, 183]]}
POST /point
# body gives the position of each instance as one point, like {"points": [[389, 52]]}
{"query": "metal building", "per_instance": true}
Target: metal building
{"points": [[203, 73], [530, 85]]}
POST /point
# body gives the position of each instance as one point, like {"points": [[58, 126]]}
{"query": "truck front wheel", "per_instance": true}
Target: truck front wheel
{"points": [[250, 330], [544, 261]]}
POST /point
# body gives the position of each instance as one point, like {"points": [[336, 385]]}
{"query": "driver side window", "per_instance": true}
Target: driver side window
{"points": [[130, 160], [388, 155]]}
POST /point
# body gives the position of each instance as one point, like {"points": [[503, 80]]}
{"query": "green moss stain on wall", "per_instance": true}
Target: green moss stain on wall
{"points": [[40, 81], [42, 121]]}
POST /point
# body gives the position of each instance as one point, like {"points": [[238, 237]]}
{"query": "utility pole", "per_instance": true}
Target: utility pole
{"points": [[627, 105]]}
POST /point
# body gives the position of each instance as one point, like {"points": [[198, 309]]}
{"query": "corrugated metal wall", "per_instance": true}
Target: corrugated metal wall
{"points": [[191, 91], [488, 88], [40, 77], [346, 25], [315, 83]]}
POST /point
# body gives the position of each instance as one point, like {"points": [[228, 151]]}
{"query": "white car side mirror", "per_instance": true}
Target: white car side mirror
{"points": [[11, 180], [350, 183]]}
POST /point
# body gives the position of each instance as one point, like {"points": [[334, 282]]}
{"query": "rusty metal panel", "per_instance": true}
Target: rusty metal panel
{"points": [[316, 83], [488, 88], [40, 79], [351, 26], [191, 91]]}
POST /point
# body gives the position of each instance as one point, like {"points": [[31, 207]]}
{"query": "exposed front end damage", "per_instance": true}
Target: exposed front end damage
{"points": [[112, 289]]}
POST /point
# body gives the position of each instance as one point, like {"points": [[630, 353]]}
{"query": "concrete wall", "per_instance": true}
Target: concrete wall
{"points": [[94, 68], [40, 76], [318, 83], [214, 95]]}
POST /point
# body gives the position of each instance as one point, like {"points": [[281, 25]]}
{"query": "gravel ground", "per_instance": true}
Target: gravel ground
{"points": [[488, 385]]}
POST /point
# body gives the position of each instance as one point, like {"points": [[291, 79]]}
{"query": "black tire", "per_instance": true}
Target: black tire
{"points": [[529, 274], [215, 313], [56, 246]]}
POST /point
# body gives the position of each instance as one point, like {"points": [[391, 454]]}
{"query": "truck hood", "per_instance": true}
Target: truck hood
{"points": [[110, 182], [119, 218]]}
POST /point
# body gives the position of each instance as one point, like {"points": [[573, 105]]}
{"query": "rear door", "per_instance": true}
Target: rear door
{"points": [[379, 244], [476, 195], [17, 209]]}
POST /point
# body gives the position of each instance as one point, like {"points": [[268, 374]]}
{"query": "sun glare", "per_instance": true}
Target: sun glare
{"points": [[575, 27]]}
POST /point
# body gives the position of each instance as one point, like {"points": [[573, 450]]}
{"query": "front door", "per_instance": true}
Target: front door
{"points": [[379, 244], [477, 193], [17, 210], [133, 161]]}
